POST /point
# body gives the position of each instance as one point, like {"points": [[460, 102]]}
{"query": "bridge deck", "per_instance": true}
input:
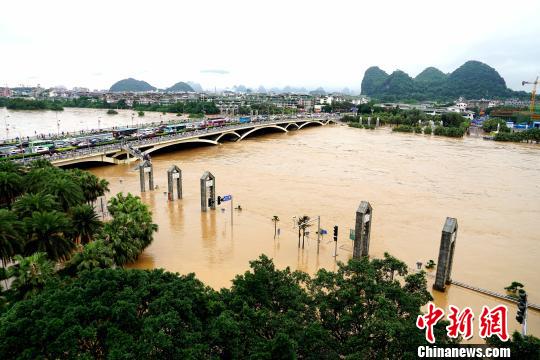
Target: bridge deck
{"points": [[107, 153]]}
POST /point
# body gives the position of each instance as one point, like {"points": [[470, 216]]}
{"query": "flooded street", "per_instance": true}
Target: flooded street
{"points": [[412, 181]]}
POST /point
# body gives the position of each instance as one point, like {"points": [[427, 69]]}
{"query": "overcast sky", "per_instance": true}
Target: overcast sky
{"points": [[268, 42]]}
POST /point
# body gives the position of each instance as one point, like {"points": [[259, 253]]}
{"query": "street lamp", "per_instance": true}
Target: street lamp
{"points": [[99, 123]]}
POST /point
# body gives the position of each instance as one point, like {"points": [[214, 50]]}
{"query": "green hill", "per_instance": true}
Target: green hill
{"points": [[397, 83], [472, 80], [180, 87], [373, 78], [476, 80], [431, 75], [131, 85]]}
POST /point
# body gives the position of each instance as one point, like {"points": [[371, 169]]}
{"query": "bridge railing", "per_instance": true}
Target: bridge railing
{"points": [[103, 149]]}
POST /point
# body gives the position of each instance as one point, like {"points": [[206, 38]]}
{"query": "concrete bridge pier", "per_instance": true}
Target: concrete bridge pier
{"points": [[174, 175], [208, 191], [146, 167], [446, 254], [362, 230]]}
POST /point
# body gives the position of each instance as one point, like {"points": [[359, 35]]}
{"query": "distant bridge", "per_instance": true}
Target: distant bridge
{"points": [[121, 153]]}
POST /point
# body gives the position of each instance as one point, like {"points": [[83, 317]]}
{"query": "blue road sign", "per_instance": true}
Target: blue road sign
{"points": [[226, 198], [324, 232]]}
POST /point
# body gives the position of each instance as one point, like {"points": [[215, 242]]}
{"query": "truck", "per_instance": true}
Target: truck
{"points": [[244, 120]]}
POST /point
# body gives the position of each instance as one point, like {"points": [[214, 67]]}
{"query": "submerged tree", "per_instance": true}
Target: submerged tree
{"points": [[275, 220]]}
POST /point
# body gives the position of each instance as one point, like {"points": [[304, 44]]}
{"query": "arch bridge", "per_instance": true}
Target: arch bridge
{"points": [[139, 149]]}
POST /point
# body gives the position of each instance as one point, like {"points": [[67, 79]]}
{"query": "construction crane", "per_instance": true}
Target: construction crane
{"points": [[533, 96]]}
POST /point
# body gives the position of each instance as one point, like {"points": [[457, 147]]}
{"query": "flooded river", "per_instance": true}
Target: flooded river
{"points": [[412, 181], [19, 123]]}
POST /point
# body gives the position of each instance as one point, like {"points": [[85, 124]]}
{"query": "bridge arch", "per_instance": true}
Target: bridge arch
{"points": [[310, 123], [259, 128], [182, 141], [294, 124], [227, 133], [98, 159]]}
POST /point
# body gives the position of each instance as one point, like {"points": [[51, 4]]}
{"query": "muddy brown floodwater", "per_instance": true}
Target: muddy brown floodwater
{"points": [[412, 181]]}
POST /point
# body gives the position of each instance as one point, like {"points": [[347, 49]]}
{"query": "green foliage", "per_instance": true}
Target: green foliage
{"points": [[430, 264], [85, 223], [521, 347], [452, 119], [67, 191], [428, 130], [28, 104], [403, 128], [95, 255], [131, 230], [367, 309], [491, 125], [10, 187], [49, 232], [91, 186], [30, 275], [112, 314], [532, 135], [112, 112], [29, 203], [10, 236], [455, 132], [141, 113]]}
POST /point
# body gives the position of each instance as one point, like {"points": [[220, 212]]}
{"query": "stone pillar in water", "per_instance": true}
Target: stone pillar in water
{"points": [[362, 230], [208, 191], [446, 254], [146, 167], [174, 175]]}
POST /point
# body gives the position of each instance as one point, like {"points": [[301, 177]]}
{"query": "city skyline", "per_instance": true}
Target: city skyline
{"points": [[269, 44]]}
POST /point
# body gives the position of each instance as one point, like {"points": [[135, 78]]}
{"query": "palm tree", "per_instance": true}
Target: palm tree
{"points": [[49, 232], [92, 186], [36, 179], [95, 255], [303, 224], [30, 274], [9, 166], [40, 164], [10, 236], [66, 190], [27, 204], [275, 220], [85, 223], [10, 187]]}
